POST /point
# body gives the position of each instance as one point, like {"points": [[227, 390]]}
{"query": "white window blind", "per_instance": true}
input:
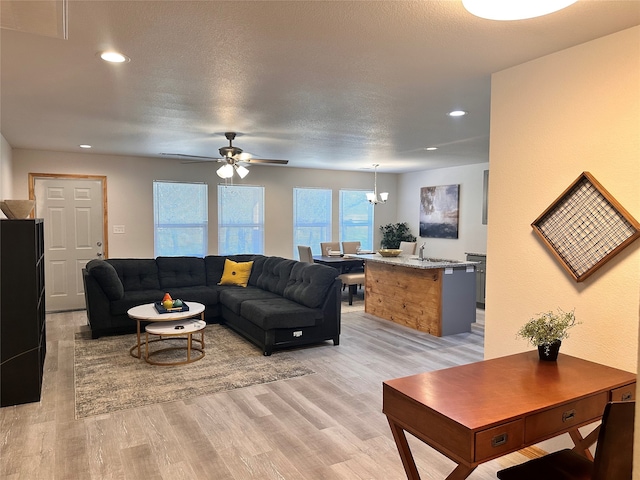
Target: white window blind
{"points": [[356, 218], [180, 219], [311, 218], [240, 219]]}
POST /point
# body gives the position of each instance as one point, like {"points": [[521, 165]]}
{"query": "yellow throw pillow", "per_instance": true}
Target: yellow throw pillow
{"points": [[236, 273]]}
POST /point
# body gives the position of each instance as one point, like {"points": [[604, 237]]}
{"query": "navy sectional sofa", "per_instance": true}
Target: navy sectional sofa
{"points": [[286, 303]]}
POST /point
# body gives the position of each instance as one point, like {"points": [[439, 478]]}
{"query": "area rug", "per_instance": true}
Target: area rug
{"points": [[108, 378]]}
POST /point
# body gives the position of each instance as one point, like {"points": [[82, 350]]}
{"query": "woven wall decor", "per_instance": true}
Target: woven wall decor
{"points": [[585, 227]]}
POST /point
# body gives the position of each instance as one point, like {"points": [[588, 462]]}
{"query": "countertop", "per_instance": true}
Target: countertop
{"points": [[413, 262]]}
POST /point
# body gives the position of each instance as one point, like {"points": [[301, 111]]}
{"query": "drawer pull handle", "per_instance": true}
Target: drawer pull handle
{"points": [[627, 396], [499, 440], [568, 415]]}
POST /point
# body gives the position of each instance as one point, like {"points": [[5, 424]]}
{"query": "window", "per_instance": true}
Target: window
{"points": [[356, 218], [240, 219], [180, 219], [311, 218]]}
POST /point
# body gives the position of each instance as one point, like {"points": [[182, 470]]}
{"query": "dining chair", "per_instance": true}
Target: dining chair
{"points": [[352, 280], [324, 246], [408, 248], [613, 458], [350, 247], [304, 252]]}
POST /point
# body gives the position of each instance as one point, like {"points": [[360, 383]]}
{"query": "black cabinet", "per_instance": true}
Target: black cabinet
{"points": [[22, 311], [481, 276]]}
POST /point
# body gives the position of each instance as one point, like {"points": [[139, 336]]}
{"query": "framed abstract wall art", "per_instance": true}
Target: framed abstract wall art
{"points": [[439, 211]]}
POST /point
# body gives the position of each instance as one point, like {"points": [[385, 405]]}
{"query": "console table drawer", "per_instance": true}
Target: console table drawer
{"points": [[499, 440], [623, 394], [550, 422]]}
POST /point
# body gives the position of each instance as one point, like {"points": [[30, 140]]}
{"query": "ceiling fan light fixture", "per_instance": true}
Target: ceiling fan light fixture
{"points": [[225, 171], [241, 171], [514, 10]]}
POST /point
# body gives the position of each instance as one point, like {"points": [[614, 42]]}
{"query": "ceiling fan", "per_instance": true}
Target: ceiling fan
{"points": [[231, 157]]}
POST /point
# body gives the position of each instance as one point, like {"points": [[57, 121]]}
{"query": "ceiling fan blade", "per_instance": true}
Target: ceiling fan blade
{"points": [[184, 155], [266, 160], [194, 158]]}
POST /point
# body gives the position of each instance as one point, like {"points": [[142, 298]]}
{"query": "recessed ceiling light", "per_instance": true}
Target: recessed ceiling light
{"points": [[114, 57], [84, 145], [457, 113], [514, 10]]}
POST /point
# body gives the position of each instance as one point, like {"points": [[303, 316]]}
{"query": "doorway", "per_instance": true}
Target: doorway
{"points": [[74, 209]]}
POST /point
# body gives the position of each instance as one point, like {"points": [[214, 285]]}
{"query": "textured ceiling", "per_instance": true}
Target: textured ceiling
{"points": [[324, 84]]}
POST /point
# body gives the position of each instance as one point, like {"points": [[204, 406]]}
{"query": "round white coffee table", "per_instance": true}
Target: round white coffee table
{"points": [[148, 313], [176, 328]]}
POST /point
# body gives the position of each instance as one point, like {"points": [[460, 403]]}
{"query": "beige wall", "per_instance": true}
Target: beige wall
{"points": [[551, 119], [130, 193]]}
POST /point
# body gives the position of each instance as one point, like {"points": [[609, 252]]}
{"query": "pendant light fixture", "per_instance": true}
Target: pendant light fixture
{"points": [[373, 197], [514, 9]]}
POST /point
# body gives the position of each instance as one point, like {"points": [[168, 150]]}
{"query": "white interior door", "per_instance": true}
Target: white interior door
{"points": [[72, 209]]}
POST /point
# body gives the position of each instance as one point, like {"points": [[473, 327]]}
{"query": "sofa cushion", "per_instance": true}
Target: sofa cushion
{"points": [[107, 278], [279, 312], [202, 294], [256, 270], [236, 273], [136, 273], [134, 298], [275, 274], [309, 284], [232, 298], [214, 266], [181, 271]]}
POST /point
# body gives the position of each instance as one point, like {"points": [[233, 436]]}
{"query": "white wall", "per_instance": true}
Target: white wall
{"points": [[130, 194], [6, 172], [472, 234]]}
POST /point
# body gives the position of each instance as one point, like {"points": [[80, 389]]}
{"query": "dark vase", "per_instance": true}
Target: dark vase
{"points": [[549, 351]]}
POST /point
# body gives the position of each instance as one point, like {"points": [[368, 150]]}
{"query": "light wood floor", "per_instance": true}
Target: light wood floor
{"points": [[327, 425]]}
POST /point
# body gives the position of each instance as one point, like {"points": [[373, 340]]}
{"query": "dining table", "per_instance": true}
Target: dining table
{"points": [[344, 264]]}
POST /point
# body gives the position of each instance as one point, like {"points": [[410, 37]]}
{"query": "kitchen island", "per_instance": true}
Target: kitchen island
{"points": [[435, 296]]}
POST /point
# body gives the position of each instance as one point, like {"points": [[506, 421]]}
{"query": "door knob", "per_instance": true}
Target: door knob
{"points": [[99, 254]]}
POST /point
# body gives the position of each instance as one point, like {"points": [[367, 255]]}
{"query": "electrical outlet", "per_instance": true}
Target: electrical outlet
{"points": [[118, 229]]}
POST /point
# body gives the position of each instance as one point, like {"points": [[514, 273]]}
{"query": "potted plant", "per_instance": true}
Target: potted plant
{"points": [[547, 330], [394, 233]]}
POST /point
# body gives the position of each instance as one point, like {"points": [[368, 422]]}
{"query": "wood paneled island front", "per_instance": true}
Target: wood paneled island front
{"points": [[436, 297]]}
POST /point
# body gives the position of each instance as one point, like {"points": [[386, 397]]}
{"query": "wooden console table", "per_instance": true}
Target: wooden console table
{"points": [[477, 412]]}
